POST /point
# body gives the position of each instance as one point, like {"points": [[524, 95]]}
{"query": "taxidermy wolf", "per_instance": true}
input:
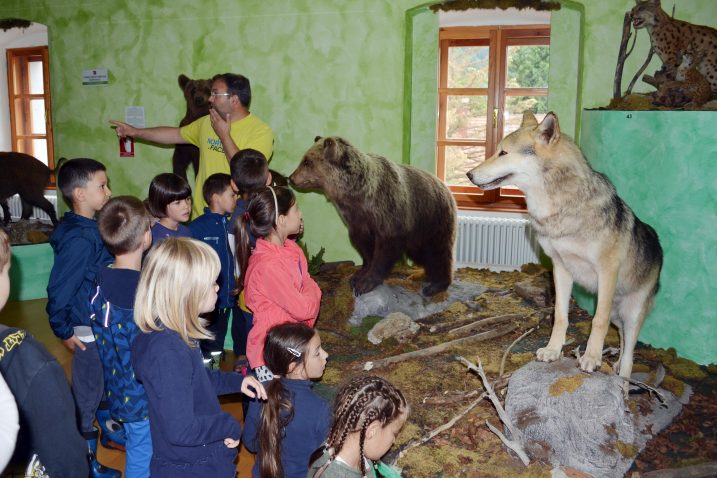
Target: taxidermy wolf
{"points": [[591, 235]]}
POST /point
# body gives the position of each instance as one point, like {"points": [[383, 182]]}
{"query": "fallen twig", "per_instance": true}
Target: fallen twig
{"points": [[639, 72], [515, 443], [499, 319], [490, 334], [440, 429], [449, 397], [647, 387], [507, 351], [702, 470]]}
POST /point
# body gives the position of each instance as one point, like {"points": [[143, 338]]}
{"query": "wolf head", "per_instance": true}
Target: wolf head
{"points": [[520, 156], [645, 13]]}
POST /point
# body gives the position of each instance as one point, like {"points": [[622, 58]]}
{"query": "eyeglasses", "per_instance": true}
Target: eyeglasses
{"points": [[214, 93]]}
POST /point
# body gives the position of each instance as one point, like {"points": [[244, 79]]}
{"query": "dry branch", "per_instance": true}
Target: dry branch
{"points": [[639, 72], [498, 319], [435, 349], [514, 444], [440, 429], [621, 56], [507, 351], [449, 397]]}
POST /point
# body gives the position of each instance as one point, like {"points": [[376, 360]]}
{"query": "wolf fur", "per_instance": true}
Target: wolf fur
{"points": [[389, 209], [591, 235]]}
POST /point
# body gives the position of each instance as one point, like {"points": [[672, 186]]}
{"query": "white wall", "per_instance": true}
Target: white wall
{"points": [[34, 35]]}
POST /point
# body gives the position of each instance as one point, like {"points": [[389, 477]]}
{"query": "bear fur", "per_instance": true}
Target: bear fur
{"points": [[196, 93], [389, 209], [27, 176]]}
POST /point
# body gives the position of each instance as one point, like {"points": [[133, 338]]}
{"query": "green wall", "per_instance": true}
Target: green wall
{"points": [[663, 165]]}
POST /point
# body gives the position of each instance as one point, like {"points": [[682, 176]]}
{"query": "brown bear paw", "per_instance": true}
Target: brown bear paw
{"points": [[434, 288], [362, 283]]}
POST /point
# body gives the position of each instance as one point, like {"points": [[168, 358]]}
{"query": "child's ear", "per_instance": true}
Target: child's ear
{"points": [[78, 194], [373, 428], [292, 367], [269, 179], [147, 240], [234, 186]]}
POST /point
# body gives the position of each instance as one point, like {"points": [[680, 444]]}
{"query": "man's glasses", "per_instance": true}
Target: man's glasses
{"points": [[214, 93]]}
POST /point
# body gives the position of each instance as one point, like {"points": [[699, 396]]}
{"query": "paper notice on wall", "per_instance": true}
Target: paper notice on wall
{"points": [[95, 77], [134, 115]]}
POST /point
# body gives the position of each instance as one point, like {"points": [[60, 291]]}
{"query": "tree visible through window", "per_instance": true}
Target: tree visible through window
{"points": [[488, 77]]}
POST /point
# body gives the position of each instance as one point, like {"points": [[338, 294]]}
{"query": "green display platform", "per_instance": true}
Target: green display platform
{"points": [[664, 165], [30, 271]]}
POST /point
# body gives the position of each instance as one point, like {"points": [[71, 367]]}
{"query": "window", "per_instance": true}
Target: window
{"points": [[29, 96], [488, 77]]}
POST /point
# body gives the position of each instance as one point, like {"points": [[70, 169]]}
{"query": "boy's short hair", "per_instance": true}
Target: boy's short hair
{"points": [[215, 184], [122, 222], [164, 189], [249, 169], [76, 173], [4, 249]]}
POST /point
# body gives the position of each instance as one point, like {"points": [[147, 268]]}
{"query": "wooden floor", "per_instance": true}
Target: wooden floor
{"points": [[30, 315]]}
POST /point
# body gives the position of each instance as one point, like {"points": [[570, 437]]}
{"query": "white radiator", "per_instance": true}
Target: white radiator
{"points": [[496, 243], [16, 207]]}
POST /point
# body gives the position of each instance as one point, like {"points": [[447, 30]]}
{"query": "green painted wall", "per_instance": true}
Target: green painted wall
{"points": [[663, 165]]}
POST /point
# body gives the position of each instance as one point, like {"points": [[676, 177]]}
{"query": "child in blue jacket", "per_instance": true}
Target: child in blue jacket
{"points": [[212, 228]]}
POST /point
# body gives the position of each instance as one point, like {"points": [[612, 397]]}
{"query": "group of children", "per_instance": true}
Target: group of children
{"points": [[144, 301]]}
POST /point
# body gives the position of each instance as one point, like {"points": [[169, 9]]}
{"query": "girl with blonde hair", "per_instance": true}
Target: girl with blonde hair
{"points": [[191, 435]]}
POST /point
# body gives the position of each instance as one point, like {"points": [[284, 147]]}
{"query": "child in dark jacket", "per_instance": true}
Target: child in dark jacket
{"points": [[170, 201], [294, 421], [124, 225], [212, 228], [191, 435], [79, 253], [48, 427]]}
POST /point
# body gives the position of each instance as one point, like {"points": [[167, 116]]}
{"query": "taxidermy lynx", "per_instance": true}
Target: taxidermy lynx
{"points": [[670, 38], [689, 89]]}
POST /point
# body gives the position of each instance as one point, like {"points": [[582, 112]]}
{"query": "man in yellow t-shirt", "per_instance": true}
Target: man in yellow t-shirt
{"points": [[228, 128]]}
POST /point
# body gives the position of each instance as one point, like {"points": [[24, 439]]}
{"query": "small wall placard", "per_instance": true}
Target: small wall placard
{"points": [[95, 77]]}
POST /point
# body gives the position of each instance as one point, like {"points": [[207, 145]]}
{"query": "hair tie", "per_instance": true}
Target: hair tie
{"points": [[294, 352], [247, 217], [276, 206]]}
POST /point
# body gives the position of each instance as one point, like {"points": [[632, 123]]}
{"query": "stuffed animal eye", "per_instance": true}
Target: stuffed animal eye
{"points": [[502, 153], [307, 162]]}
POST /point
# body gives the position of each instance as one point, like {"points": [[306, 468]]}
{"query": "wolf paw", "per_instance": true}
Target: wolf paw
{"points": [[589, 362], [547, 354]]}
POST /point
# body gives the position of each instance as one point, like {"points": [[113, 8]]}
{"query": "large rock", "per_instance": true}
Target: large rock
{"points": [[573, 419], [386, 299], [396, 324]]}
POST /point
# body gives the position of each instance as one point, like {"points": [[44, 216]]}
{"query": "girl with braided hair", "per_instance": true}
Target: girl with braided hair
{"points": [[294, 421], [275, 276], [368, 414]]}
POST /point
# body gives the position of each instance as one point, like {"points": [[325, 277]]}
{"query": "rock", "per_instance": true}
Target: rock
{"points": [[572, 419], [396, 324], [388, 298]]}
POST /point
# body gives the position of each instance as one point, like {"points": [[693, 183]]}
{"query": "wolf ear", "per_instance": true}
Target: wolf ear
{"points": [[528, 119], [549, 129]]}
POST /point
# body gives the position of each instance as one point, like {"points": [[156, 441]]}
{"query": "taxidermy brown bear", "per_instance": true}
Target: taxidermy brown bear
{"points": [[27, 176], [197, 93], [389, 209]]}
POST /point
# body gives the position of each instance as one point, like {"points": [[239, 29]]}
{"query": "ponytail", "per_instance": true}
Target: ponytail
{"points": [[276, 414]]}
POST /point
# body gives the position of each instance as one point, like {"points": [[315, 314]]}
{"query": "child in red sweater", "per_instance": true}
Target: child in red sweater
{"points": [[275, 277]]}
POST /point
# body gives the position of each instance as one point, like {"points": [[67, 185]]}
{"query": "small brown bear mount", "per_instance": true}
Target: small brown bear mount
{"points": [[688, 76]]}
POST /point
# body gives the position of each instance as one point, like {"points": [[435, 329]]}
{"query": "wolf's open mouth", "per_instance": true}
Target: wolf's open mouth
{"points": [[495, 183]]}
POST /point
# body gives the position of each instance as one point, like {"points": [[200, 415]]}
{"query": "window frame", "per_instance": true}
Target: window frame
{"points": [[20, 127], [498, 38]]}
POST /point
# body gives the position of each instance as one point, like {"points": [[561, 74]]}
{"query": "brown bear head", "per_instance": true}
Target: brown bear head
{"points": [[197, 93], [325, 166]]}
